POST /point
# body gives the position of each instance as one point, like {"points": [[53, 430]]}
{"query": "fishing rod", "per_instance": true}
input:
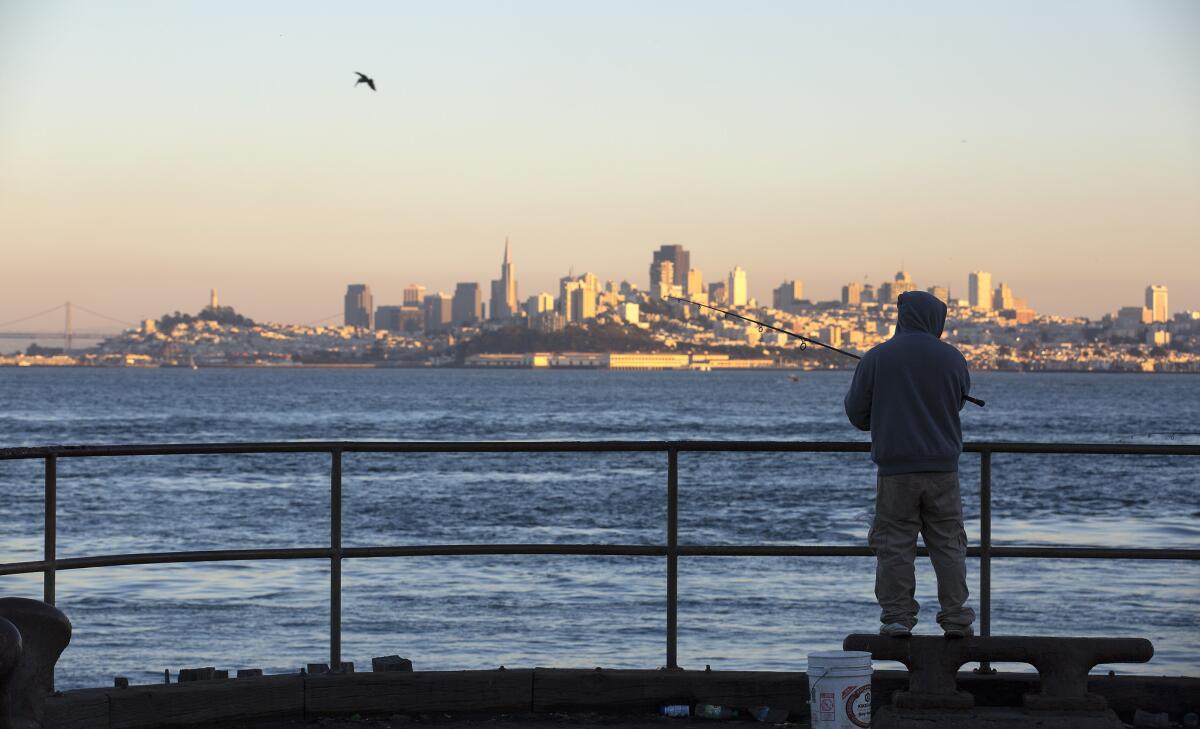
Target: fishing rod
{"points": [[803, 339]]}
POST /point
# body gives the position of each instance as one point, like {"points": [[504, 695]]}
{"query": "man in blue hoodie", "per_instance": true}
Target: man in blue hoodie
{"points": [[907, 392]]}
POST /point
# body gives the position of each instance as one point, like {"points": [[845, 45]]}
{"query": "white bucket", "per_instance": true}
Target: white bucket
{"points": [[839, 689]]}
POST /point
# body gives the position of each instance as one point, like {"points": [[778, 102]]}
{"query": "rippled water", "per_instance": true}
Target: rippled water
{"points": [[473, 612]]}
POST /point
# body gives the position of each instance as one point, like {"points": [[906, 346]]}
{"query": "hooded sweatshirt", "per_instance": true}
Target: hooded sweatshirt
{"points": [[908, 390]]}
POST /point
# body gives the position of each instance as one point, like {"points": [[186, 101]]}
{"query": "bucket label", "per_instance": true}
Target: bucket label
{"points": [[858, 704], [828, 706]]}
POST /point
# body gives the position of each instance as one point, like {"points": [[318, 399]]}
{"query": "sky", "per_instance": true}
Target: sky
{"points": [[151, 151]]}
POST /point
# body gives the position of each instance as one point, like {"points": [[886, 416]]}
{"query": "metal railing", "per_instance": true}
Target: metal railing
{"points": [[671, 550]]}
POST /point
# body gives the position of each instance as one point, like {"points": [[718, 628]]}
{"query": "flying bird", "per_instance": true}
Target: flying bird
{"points": [[363, 79]]}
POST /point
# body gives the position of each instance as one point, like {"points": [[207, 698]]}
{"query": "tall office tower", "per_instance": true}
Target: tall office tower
{"points": [[736, 291], [504, 289], [563, 303], [579, 297], [388, 319], [695, 283], [1156, 302], [568, 306], [439, 311], [1003, 298], [902, 284], [414, 295], [868, 292], [852, 294], [680, 261], [360, 306], [468, 303], [662, 278], [884, 294], [979, 290], [940, 292], [717, 292], [412, 319], [539, 304], [786, 296]]}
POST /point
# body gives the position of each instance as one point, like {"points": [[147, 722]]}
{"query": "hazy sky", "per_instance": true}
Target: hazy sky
{"points": [[152, 150]]}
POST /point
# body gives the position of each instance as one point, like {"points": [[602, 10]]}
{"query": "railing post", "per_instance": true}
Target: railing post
{"points": [[335, 560], [51, 530], [985, 551], [50, 550], [672, 557]]}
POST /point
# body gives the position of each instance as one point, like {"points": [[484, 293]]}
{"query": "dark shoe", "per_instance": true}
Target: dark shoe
{"points": [[958, 631], [896, 630]]}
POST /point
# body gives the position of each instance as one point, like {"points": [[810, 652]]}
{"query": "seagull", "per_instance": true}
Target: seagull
{"points": [[362, 79]]}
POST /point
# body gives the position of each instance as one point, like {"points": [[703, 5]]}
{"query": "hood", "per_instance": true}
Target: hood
{"points": [[921, 312]]}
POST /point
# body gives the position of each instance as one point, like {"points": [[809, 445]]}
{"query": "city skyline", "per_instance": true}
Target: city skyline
{"points": [[672, 275], [1057, 148], [470, 304]]}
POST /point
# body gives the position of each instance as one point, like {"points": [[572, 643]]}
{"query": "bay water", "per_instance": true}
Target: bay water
{"points": [[762, 613]]}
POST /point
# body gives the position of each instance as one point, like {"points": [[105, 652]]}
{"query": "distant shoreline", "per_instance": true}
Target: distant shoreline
{"points": [[372, 366]]}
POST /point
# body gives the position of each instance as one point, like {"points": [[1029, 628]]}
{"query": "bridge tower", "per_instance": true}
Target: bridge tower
{"points": [[67, 329]]}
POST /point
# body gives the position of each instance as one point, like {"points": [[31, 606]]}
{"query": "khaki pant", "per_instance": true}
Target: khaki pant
{"points": [[929, 503]]}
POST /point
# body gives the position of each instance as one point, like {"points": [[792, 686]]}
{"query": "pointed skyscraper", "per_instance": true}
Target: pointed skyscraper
{"points": [[504, 289]]}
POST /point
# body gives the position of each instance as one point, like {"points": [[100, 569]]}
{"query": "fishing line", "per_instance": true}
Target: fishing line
{"points": [[803, 339]]}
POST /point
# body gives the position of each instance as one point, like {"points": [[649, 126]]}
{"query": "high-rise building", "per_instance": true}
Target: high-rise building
{"points": [[578, 297], [868, 293], [414, 295], [695, 283], [1003, 297], [787, 295], [539, 304], [400, 319], [439, 311], [360, 306], [979, 290], [504, 289], [736, 292], [467, 307], [902, 283], [1156, 302], [885, 294], [852, 294], [662, 278], [412, 319], [717, 292], [1131, 321], [680, 261], [387, 318], [940, 292]]}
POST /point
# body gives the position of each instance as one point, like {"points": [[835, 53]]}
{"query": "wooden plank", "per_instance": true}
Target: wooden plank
{"points": [[420, 691], [183, 704], [556, 689], [86, 709]]}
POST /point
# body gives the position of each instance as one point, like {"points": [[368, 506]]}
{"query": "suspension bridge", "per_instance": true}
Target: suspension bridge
{"points": [[33, 325]]}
